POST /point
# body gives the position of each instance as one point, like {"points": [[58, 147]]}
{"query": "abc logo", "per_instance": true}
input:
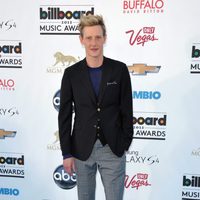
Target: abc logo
{"points": [[56, 100], [63, 179]]}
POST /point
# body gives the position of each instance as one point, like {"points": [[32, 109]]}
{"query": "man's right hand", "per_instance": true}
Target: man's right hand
{"points": [[69, 165]]}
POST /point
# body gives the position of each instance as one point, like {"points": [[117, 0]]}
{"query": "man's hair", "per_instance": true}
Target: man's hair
{"points": [[91, 20]]}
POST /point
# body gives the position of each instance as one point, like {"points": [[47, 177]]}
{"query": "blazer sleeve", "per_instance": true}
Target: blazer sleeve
{"points": [[126, 107], [65, 114]]}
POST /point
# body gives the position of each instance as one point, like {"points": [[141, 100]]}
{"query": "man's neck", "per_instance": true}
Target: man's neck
{"points": [[94, 62]]}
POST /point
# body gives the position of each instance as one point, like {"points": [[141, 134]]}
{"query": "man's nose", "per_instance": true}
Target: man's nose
{"points": [[93, 41]]}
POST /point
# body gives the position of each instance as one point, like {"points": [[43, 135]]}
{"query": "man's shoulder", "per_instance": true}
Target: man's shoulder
{"points": [[75, 67], [114, 62]]}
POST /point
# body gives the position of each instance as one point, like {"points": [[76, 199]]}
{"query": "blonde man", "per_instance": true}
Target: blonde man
{"points": [[100, 89]]}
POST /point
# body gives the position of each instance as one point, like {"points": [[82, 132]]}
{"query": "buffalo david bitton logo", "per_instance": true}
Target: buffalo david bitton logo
{"points": [[143, 69], [4, 133]]}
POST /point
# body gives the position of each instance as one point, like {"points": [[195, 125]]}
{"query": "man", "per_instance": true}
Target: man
{"points": [[100, 90]]}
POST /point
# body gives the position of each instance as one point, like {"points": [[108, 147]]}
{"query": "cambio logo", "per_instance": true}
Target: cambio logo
{"points": [[63, 179], [9, 191], [146, 95]]}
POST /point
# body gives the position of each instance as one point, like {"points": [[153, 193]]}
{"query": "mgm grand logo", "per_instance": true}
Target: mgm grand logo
{"points": [[55, 145], [62, 62]]}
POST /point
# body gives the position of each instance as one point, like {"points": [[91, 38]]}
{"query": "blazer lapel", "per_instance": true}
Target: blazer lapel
{"points": [[85, 78], [106, 73]]}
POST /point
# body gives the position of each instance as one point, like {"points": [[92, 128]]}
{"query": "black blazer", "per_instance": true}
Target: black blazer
{"points": [[113, 109]]}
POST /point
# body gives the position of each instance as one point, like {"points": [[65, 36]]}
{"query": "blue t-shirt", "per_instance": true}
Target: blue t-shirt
{"points": [[95, 76]]}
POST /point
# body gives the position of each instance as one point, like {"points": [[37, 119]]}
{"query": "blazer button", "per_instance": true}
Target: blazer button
{"points": [[98, 109], [98, 127], [95, 126]]}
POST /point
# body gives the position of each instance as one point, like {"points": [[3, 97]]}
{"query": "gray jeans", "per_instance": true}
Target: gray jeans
{"points": [[111, 169]]}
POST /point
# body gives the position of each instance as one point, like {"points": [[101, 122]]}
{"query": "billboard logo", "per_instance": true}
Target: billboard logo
{"points": [[195, 59], [143, 69], [191, 187], [150, 126], [11, 165], [10, 54], [63, 179], [191, 181], [62, 19]]}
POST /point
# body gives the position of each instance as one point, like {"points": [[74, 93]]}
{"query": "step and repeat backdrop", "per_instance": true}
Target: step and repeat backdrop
{"points": [[159, 40]]}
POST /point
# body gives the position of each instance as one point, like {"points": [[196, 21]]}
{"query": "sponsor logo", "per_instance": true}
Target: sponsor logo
{"points": [[7, 84], [63, 179], [7, 25], [150, 125], [137, 181], [146, 95], [143, 69], [4, 133], [191, 187], [195, 61], [56, 100], [196, 152], [55, 145], [135, 157], [9, 112], [10, 54], [11, 165], [143, 6], [61, 62], [142, 36], [9, 191], [62, 19]]}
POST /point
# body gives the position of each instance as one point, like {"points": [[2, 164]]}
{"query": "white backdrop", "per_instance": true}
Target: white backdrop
{"points": [[159, 40]]}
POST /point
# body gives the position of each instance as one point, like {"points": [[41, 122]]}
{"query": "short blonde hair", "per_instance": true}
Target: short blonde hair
{"points": [[91, 20]]}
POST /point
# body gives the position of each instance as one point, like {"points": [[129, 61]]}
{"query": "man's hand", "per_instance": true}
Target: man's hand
{"points": [[69, 165]]}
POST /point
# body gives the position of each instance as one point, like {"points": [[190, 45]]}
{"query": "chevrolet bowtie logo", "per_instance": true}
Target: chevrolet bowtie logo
{"points": [[4, 134], [143, 69]]}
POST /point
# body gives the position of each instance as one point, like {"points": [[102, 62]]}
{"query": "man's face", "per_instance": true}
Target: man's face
{"points": [[93, 41]]}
